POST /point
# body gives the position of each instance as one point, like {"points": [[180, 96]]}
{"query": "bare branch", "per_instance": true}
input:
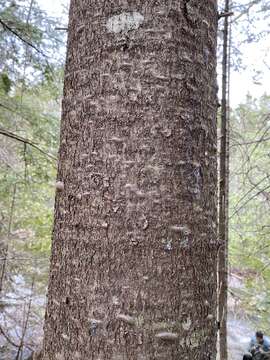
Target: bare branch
{"points": [[250, 190], [25, 141], [8, 338], [61, 29], [7, 27], [248, 200], [6, 107], [251, 142], [249, 6], [225, 14], [27, 42]]}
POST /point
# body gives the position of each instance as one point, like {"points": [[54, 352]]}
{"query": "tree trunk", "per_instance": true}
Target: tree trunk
{"points": [[223, 197], [133, 266], [4, 246]]}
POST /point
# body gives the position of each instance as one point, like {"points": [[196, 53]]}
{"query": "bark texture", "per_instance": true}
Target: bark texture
{"points": [[133, 266]]}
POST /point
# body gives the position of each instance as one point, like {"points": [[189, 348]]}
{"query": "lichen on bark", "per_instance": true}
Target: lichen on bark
{"points": [[134, 240]]}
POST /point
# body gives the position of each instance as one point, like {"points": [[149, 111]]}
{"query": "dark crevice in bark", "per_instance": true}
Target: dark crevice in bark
{"points": [[185, 12], [125, 47]]}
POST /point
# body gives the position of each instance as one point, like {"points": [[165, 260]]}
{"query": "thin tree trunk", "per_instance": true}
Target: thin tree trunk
{"points": [[5, 246], [223, 197], [133, 266]]}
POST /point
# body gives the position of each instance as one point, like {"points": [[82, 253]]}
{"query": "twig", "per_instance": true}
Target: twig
{"points": [[61, 29], [7, 27], [249, 6], [25, 141], [14, 111], [250, 190], [225, 14], [6, 107], [248, 200], [251, 142], [8, 338], [257, 143]]}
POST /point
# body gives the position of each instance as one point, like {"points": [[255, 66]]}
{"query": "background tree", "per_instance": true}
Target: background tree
{"points": [[133, 269], [223, 193]]}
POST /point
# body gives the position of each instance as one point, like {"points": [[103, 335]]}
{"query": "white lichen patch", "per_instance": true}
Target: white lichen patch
{"points": [[186, 325], [59, 356], [126, 319], [131, 187], [77, 355], [167, 336], [124, 22], [116, 139], [115, 300], [104, 225], [140, 194], [180, 229], [65, 337]]}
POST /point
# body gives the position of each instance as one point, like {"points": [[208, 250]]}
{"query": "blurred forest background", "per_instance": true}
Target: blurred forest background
{"points": [[32, 56]]}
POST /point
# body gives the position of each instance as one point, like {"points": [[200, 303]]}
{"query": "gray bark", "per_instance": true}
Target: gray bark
{"points": [[133, 266]]}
